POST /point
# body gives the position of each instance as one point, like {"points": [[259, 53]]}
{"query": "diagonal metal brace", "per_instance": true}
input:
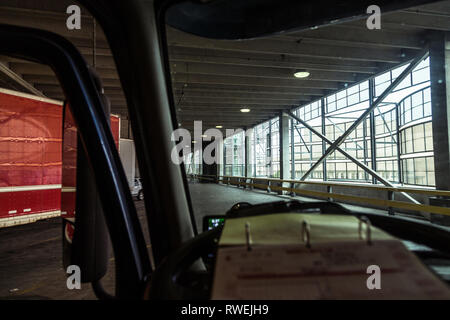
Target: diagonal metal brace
{"points": [[350, 157], [19, 80], [424, 54]]}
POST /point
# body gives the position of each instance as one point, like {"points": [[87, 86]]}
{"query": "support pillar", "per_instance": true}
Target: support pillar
{"points": [[284, 146], [324, 144], [373, 140], [247, 169], [440, 106], [220, 158], [292, 151]]}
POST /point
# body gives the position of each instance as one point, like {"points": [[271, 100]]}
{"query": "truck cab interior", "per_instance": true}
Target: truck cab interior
{"points": [[184, 259]]}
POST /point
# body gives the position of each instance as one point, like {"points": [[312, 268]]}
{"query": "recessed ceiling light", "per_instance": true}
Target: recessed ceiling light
{"points": [[301, 74], [219, 127], [193, 141], [204, 136], [245, 110]]}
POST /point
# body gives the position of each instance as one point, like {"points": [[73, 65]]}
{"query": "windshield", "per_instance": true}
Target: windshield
{"points": [[344, 112], [160, 155]]}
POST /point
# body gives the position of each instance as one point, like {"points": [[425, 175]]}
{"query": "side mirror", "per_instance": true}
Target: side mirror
{"points": [[85, 237]]}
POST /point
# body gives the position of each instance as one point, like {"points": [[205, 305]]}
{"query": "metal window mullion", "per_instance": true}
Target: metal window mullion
{"points": [[254, 152], [385, 123], [269, 149], [224, 159], [292, 150], [324, 144], [351, 139], [397, 119], [373, 142], [365, 147], [303, 140]]}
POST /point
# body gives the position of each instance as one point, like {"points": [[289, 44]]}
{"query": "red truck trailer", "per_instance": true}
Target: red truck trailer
{"points": [[31, 157]]}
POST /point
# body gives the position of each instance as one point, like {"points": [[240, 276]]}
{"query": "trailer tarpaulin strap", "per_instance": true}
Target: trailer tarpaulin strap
{"points": [[30, 155], [31, 158]]}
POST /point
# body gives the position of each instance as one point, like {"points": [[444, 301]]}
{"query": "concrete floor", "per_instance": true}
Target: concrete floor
{"points": [[31, 254], [214, 199], [31, 262]]}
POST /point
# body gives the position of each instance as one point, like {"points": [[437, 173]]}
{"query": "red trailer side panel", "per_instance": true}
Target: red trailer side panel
{"points": [[115, 129], [31, 158], [30, 154]]}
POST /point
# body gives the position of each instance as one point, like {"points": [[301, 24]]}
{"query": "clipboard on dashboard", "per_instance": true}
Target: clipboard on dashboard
{"points": [[304, 256]]}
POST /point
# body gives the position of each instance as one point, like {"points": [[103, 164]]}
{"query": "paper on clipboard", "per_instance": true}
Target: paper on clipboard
{"points": [[280, 266], [285, 228]]}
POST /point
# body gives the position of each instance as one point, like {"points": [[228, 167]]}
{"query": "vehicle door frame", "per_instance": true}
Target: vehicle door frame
{"points": [[131, 257]]}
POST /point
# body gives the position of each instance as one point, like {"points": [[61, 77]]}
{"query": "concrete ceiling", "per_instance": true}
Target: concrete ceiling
{"points": [[213, 80]]}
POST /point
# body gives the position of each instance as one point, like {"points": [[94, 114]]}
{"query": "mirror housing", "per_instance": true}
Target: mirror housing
{"points": [[89, 248], [85, 237]]}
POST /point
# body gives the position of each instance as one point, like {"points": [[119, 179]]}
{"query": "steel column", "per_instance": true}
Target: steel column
{"points": [[373, 140], [292, 150], [399, 161], [324, 144], [246, 154], [283, 131]]}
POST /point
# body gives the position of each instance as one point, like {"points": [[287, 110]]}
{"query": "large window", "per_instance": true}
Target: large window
{"points": [[416, 139], [398, 130], [193, 162], [234, 155], [307, 146], [274, 148], [261, 149]]}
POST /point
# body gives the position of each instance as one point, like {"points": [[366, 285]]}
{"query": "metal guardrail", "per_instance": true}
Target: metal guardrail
{"points": [[271, 184]]}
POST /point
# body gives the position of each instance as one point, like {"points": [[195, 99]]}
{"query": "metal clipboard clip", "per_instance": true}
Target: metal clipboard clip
{"points": [[248, 236], [306, 233], [366, 221]]}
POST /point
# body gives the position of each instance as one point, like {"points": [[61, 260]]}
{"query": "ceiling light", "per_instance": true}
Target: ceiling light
{"points": [[301, 74], [219, 127], [204, 136], [245, 110], [193, 141]]}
